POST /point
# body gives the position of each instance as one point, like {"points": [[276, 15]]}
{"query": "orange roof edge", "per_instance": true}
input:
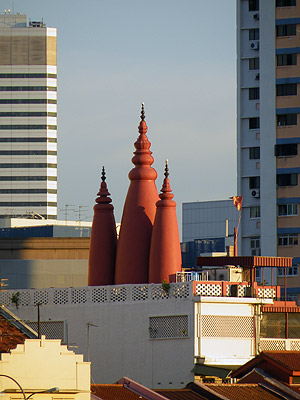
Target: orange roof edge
{"points": [[140, 389]]}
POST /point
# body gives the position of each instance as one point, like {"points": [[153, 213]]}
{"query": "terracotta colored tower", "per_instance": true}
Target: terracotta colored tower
{"points": [[103, 240], [132, 264], [165, 253]]}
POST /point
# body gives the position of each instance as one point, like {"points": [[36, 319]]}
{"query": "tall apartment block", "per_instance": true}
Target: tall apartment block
{"points": [[268, 128], [28, 118]]}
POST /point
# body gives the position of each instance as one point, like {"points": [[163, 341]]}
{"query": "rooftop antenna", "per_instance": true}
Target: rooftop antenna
{"points": [[66, 209]]}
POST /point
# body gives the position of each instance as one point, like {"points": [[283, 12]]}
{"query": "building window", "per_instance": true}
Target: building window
{"points": [[175, 326], [254, 63], [287, 209], [286, 30], [253, 5], [254, 93], [255, 212], [28, 178], [284, 150], [255, 249], [253, 34], [28, 114], [288, 240], [28, 101], [290, 271], [286, 89], [285, 3], [286, 119], [25, 127], [254, 153], [287, 179], [254, 182], [28, 88], [254, 123], [286, 59], [34, 76]]}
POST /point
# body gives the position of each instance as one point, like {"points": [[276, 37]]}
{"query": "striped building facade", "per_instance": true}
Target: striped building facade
{"points": [[28, 118], [268, 131]]}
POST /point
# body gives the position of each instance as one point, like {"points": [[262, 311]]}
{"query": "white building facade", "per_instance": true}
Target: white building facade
{"points": [[157, 336], [268, 135], [28, 118]]}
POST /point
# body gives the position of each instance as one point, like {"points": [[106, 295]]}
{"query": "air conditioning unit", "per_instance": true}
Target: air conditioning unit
{"points": [[257, 77], [254, 45], [255, 193], [256, 17]]}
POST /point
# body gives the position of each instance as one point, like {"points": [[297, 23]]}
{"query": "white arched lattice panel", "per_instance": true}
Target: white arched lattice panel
{"points": [[61, 296], [40, 297], [118, 294], [181, 291], [99, 295], [139, 293], [158, 293], [79, 295]]}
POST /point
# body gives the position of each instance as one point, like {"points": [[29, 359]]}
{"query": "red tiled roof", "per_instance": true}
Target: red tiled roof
{"points": [[180, 394], [114, 392], [241, 391], [10, 336], [289, 359]]}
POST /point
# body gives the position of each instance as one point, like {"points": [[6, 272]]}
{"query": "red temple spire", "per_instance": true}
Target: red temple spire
{"points": [[165, 253], [103, 240], [132, 263]]}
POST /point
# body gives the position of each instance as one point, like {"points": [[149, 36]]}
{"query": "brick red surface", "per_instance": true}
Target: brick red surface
{"points": [[114, 392], [244, 392], [10, 336]]}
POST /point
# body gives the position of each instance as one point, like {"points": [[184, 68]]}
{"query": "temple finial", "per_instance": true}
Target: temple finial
{"points": [[103, 176], [167, 169], [143, 112]]}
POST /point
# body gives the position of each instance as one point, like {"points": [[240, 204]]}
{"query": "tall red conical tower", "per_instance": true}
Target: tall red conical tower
{"points": [[165, 253], [132, 262], [103, 240]]}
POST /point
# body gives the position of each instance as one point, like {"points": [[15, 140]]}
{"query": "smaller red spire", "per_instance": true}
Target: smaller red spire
{"points": [[165, 252], [103, 239]]}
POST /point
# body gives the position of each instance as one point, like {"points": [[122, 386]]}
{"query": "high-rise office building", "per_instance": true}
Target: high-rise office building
{"points": [[268, 98], [28, 118]]}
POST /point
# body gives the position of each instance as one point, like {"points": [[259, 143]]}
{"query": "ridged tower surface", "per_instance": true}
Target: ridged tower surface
{"points": [[103, 241], [165, 253], [132, 262]]}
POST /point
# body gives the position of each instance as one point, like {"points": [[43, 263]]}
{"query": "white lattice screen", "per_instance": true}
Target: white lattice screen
{"points": [[226, 326], [272, 345], [208, 290], [100, 294], [295, 345], [172, 326]]}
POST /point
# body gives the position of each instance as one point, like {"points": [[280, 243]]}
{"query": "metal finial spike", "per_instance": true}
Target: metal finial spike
{"points": [[167, 169], [103, 177], [143, 112]]}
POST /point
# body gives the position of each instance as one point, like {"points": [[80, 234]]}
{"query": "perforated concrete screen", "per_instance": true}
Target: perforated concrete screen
{"points": [[176, 326]]}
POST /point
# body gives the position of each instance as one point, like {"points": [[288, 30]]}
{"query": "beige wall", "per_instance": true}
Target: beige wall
{"points": [[45, 248], [27, 49], [288, 12], [41, 364]]}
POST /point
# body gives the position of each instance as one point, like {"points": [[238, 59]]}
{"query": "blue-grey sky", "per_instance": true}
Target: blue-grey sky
{"points": [[178, 56]]}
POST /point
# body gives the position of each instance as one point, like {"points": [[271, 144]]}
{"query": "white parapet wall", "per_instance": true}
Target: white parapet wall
{"points": [[142, 331], [151, 333]]}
